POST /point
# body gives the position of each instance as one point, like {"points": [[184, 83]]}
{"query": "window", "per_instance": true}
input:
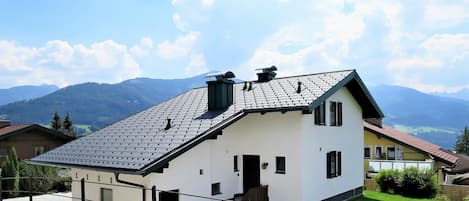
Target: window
{"points": [[320, 114], [38, 150], [106, 194], [280, 165], [367, 152], [334, 164], [391, 153], [235, 163], [378, 152], [3, 151], [336, 113], [173, 195], [216, 189]]}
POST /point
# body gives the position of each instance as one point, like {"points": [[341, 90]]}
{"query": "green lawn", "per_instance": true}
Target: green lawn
{"points": [[378, 196]]}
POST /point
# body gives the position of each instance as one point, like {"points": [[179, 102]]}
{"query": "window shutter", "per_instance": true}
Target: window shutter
{"points": [[317, 115], [323, 113], [339, 163], [235, 163], [339, 114], [328, 162]]}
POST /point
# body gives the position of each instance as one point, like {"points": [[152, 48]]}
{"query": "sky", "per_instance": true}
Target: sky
{"points": [[418, 44]]}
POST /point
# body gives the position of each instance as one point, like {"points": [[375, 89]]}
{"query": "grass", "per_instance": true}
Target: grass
{"points": [[378, 196]]}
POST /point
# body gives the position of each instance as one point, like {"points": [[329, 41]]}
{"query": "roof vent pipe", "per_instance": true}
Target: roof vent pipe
{"points": [[220, 90], [168, 124], [266, 74]]}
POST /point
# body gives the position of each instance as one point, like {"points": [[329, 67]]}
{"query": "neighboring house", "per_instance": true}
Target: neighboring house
{"points": [[301, 136], [388, 148], [29, 140]]}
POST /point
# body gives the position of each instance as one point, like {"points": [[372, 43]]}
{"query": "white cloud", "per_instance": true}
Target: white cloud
{"points": [[178, 22], [143, 48], [414, 63], [208, 3], [196, 65], [60, 63], [437, 15], [179, 48]]}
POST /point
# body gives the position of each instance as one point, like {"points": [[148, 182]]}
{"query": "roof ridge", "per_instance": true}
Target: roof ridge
{"points": [[292, 76]]}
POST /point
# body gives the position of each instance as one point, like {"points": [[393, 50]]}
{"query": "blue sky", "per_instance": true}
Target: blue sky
{"points": [[418, 44]]}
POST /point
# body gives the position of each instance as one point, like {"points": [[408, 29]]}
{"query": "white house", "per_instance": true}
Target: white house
{"points": [[301, 136]]}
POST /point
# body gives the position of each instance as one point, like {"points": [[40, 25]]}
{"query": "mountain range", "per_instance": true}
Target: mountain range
{"points": [[92, 106], [434, 118], [25, 93]]}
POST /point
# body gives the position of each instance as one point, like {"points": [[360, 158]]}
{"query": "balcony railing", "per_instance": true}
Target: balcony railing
{"points": [[378, 165]]}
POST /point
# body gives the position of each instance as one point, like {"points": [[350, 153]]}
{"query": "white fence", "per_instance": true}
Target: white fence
{"points": [[378, 165]]}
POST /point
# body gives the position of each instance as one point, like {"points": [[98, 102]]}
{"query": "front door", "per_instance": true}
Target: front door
{"points": [[251, 172]]}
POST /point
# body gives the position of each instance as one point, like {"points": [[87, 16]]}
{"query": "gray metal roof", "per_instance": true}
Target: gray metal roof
{"points": [[140, 141]]}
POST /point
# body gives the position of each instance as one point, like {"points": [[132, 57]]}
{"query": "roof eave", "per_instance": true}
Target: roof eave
{"points": [[346, 82], [36, 126], [93, 168]]}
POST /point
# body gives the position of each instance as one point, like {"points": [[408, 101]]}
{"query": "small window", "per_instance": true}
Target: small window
{"points": [[334, 164], [172, 195], [367, 152], [391, 153], [280, 165], [336, 113], [320, 114], [235, 164], [3, 151], [38, 150], [106, 194], [216, 189]]}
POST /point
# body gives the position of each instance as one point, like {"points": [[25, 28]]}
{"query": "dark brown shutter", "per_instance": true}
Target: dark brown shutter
{"points": [[317, 115], [339, 163], [323, 113], [339, 114], [328, 162], [235, 163]]}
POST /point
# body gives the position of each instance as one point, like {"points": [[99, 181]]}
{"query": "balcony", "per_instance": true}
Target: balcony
{"points": [[375, 166]]}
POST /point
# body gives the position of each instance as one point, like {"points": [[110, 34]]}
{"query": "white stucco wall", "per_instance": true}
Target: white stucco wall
{"points": [[319, 140], [292, 135]]}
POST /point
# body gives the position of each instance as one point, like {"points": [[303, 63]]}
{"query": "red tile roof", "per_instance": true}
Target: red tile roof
{"points": [[9, 129], [414, 142]]}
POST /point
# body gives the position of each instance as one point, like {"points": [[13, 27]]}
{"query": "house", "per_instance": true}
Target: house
{"points": [[29, 140], [388, 148], [300, 137]]}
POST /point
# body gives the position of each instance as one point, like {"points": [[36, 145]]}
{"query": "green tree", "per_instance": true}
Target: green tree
{"points": [[462, 145], [68, 123], [56, 123], [10, 170]]}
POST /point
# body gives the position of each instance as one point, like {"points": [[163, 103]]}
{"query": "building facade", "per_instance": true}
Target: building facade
{"points": [[300, 136]]}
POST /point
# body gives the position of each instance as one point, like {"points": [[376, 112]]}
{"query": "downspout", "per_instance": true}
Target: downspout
{"points": [[131, 184]]}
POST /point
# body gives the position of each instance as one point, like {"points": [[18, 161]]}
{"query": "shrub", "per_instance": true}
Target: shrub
{"points": [[410, 182], [388, 180], [415, 183], [48, 177], [10, 170]]}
